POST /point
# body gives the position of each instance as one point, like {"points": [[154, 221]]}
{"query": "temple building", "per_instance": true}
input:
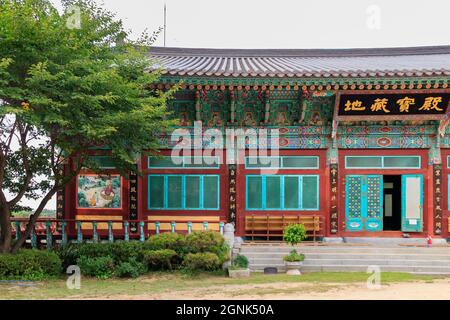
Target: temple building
{"points": [[349, 142]]}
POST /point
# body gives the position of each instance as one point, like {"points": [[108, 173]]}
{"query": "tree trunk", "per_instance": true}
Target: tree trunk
{"points": [[32, 221], [5, 229]]}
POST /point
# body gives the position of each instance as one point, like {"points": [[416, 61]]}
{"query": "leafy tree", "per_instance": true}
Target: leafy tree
{"points": [[69, 81]]}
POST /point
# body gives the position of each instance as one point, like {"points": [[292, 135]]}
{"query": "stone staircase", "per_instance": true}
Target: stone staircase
{"points": [[351, 258]]}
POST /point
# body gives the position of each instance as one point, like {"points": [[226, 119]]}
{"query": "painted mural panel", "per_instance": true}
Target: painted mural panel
{"points": [[99, 191]]}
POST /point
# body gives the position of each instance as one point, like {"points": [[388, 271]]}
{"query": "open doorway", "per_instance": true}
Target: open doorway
{"points": [[392, 208]]}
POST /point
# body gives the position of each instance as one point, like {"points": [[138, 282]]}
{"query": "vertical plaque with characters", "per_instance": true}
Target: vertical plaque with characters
{"points": [[232, 194], [133, 201], [437, 170], [333, 198]]}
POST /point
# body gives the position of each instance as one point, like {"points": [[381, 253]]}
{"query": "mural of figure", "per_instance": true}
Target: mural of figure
{"points": [[184, 119], [98, 191], [216, 121], [248, 120], [281, 119], [315, 119]]}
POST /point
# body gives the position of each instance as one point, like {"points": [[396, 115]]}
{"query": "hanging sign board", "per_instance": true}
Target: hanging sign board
{"points": [[392, 105]]}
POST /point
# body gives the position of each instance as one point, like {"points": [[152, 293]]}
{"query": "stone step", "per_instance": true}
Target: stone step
{"points": [[329, 255], [378, 250], [349, 261], [361, 268]]}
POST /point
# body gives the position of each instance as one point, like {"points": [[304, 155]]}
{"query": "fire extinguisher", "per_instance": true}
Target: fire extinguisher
{"points": [[429, 241]]}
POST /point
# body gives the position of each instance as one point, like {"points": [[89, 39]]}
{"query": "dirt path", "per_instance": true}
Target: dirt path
{"points": [[437, 289]]}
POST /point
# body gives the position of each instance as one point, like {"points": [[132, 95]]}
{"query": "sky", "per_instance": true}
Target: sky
{"points": [[286, 24], [289, 23]]}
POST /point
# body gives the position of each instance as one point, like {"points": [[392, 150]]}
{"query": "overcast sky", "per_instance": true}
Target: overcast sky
{"points": [[290, 23], [287, 23]]}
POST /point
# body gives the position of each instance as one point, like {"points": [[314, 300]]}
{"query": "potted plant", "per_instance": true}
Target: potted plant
{"points": [[239, 267], [294, 234]]}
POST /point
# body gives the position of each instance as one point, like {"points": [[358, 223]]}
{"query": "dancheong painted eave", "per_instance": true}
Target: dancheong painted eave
{"points": [[433, 61]]}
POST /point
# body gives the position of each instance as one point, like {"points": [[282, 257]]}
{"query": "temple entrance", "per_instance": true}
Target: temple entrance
{"points": [[392, 206], [384, 202]]}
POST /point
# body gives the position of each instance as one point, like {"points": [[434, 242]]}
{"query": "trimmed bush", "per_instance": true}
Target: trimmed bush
{"points": [[68, 254], [93, 250], [207, 241], [173, 241], [294, 233], [240, 261], [160, 259], [130, 269], [206, 261], [123, 251], [294, 256], [99, 267], [29, 264]]}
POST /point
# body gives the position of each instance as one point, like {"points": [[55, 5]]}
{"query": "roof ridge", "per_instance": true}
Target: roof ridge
{"points": [[350, 52]]}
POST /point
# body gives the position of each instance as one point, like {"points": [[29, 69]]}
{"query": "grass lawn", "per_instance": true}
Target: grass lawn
{"points": [[159, 285]]}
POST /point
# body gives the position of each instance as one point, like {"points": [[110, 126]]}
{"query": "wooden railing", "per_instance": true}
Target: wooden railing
{"points": [[50, 231], [272, 226]]}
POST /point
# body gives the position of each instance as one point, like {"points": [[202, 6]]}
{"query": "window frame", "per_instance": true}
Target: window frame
{"points": [[282, 193], [183, 166], [183, 192], [382, 162], [281, 163]]}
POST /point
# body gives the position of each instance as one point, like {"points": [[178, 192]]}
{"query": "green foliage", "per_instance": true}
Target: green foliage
{"points": [[130, 269], [206, 261], [160, 259], [159, 252], [122, 251], [196, 242], [294, 234], [240, 261], [207, 241], [93, 250], [29, 265], [65, 89], [167, 240], [100, 267], [293, 256]]}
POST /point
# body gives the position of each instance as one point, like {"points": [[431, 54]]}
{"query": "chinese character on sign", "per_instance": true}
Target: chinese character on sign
{"points": [[431, 103], [354, 106], [380, 104], [405, 103]]}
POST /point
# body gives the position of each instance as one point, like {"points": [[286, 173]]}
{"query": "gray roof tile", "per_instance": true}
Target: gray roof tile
{"points": [[413, 61]]}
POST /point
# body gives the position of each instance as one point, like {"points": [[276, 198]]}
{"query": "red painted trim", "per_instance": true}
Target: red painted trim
{"points": [[445, 193]]}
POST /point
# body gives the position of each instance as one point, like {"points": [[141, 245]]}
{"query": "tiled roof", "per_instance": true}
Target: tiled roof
{"points": [[347, 63]]}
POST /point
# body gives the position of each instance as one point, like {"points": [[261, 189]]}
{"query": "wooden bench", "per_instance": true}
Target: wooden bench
{"points": [[272, 226]]}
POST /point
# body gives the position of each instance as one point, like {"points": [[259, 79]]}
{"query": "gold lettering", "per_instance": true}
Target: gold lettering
{"points": [[431, 103], [405, 103], [354, 106], [380, 104]]}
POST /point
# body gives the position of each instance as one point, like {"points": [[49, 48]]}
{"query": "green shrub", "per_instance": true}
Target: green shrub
{"points": [[100, 267], [293, 256], [93, 250], [29, 264], [206, 261], [123, 251], [68, 254], [173, 241], [160, 259], [130, 269], [294, 233], [240, 261], [207, 241]]}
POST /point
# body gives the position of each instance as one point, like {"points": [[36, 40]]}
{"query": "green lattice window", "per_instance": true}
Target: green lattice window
{"points": [[183, 192], [282, 192]]}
